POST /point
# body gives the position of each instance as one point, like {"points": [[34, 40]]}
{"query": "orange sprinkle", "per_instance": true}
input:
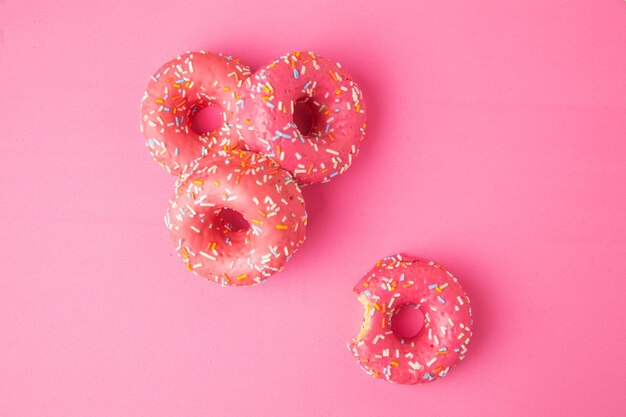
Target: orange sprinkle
{"points": [[281, 227], [242, 276], [395, 363]]}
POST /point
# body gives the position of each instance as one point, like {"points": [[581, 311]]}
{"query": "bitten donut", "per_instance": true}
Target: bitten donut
{"points": [[266, 116], [177, 91], [397, 281], [247, 183]]}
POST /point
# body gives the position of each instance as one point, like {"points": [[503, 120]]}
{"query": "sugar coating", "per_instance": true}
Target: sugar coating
{"points": [[248, 183], [394, 282]]}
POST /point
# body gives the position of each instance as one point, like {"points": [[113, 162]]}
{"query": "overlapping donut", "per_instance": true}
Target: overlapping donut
{"points": [[266, 116], [254, 163], [251, 185], [176, 93]]}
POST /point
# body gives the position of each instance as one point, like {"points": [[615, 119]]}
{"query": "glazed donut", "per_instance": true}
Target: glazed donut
{"points": [[397, 281], [177, 91], [266, 121], [253, 186]]}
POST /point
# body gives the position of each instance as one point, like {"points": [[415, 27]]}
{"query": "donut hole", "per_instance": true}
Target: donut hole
{"points": [[304, 116], [206, 119], [230, 220], [407, 321]]}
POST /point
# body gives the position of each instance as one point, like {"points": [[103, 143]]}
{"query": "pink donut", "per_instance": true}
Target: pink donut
{"points": [[267, 124], [397, 281], [241, 182], [178, 90]]}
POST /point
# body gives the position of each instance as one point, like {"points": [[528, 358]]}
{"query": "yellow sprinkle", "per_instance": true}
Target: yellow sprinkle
{"points": [[242, 276], [338, 92], [357, 107], [256, 221], [159, 100], [439, 290], [198, 182], [216, 182], [176, 85], [189, 267], [227, 88], [376, 306], [394, 363], [281, 227]]}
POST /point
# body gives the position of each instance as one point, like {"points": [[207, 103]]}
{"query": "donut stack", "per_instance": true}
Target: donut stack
{"points": [[238, 215]]}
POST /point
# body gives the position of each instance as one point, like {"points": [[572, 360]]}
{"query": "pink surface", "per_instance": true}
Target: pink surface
{"points": [[495, 146]]}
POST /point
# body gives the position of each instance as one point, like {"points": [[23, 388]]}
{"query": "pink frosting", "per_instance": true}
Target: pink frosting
{"points": [[265, 116], [264, 194], [176, 92], [399, 280]]}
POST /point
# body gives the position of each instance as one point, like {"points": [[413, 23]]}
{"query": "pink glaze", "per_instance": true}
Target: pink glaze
{"points": [[397, 281], [178, 90], [252, 185], [266, 116]]}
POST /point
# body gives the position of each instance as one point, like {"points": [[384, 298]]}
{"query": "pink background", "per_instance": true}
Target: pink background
{"points": [[496, 145]]}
